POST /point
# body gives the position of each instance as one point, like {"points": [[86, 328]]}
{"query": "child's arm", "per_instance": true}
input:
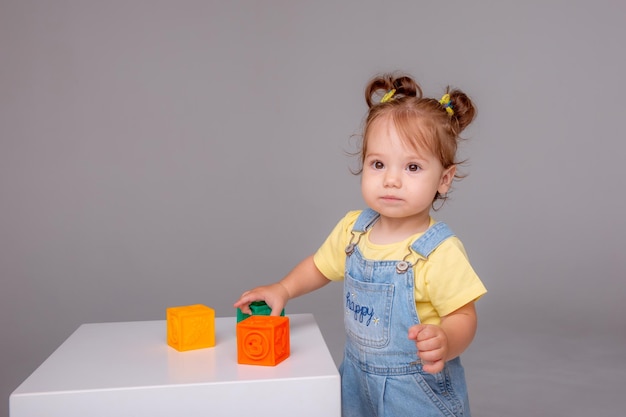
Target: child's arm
{"points": [[304, 278], [438, 344]]}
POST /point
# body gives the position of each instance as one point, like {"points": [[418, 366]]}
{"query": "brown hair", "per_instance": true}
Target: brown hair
{"points": [[422, 122]]}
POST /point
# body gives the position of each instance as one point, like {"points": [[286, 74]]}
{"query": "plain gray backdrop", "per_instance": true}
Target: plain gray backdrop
{"points": [[162, 153]]}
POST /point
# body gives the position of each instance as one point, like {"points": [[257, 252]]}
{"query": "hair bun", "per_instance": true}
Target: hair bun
{"points": [[403, 85], [464, 109]]}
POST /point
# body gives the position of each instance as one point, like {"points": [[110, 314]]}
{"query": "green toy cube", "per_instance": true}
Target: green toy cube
{"points": [[258, 308]]}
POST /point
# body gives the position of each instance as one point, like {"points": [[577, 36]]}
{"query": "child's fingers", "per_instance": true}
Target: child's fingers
{"points": [[421, 332], [276, 310], [414, 331], [430, 356], [244, 302], [244, 307], [432, 367]]}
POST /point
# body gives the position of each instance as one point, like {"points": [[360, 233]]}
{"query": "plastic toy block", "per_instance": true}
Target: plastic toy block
{"points": [[190, 327], [258, 308], [263, 340]]}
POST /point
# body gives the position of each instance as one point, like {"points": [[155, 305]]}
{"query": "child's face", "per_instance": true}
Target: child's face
{"points": [[398, 181]]}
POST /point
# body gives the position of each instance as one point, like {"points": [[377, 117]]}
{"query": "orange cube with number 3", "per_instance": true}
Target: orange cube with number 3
{"points": [[263, 340]]}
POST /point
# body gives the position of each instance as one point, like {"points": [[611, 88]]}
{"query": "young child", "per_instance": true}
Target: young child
{"points": [[409, 289]]}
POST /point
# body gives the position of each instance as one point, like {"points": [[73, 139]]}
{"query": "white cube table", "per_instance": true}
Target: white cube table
{"points": [[127, 369]]}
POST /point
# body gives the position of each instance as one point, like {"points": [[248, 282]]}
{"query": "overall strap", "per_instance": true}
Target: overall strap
{"points": [[431, 239], [365, 220]]}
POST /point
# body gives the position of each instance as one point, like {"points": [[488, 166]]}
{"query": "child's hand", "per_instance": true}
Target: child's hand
{"points": [[432, 346], [274, 295]]}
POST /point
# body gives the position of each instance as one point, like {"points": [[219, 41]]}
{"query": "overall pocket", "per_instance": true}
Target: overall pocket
{"points": [[440, 389], [367, 311]]}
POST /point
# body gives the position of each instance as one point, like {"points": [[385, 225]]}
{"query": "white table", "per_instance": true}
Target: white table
{"points": [[127, 369]]}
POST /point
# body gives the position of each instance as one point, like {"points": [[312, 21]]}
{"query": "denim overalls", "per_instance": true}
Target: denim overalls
{"points": [[381, 374]]}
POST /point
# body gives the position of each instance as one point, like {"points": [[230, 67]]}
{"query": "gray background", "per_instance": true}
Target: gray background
{"points": [[161, 153]]}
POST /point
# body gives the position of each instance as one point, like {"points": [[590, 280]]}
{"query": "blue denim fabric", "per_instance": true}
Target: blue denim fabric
{"points": [[381, 374]]}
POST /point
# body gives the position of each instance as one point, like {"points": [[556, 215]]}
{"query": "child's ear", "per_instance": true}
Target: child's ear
{"points": [[446, 179]]}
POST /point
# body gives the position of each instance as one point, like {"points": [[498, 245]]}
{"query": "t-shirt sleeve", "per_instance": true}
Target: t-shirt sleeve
{"points": [[449, 278], [330, 258]]}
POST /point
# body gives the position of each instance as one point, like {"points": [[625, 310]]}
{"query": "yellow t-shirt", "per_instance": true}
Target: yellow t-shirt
{"points": [[444, 282]]}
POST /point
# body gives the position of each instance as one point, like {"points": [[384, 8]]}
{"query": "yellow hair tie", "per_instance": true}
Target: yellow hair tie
{"points": [[389, 96], [447, 104]]}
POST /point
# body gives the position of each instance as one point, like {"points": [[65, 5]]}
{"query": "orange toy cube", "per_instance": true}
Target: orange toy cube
{"points": [[263, 340], [190, 327]]}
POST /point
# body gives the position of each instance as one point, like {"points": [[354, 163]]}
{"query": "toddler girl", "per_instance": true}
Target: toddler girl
{"points": [[409, 289]]}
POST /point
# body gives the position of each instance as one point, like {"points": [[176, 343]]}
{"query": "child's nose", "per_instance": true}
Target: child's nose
{"points": [[392, 178]]}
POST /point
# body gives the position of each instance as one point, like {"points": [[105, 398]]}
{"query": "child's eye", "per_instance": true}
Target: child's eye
{"points": [[378, 165], [413, 167]]}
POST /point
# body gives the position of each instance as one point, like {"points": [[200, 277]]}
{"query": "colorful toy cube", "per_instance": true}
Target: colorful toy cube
{"points": [[190, 327], [258, 308], [263, 340]]}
